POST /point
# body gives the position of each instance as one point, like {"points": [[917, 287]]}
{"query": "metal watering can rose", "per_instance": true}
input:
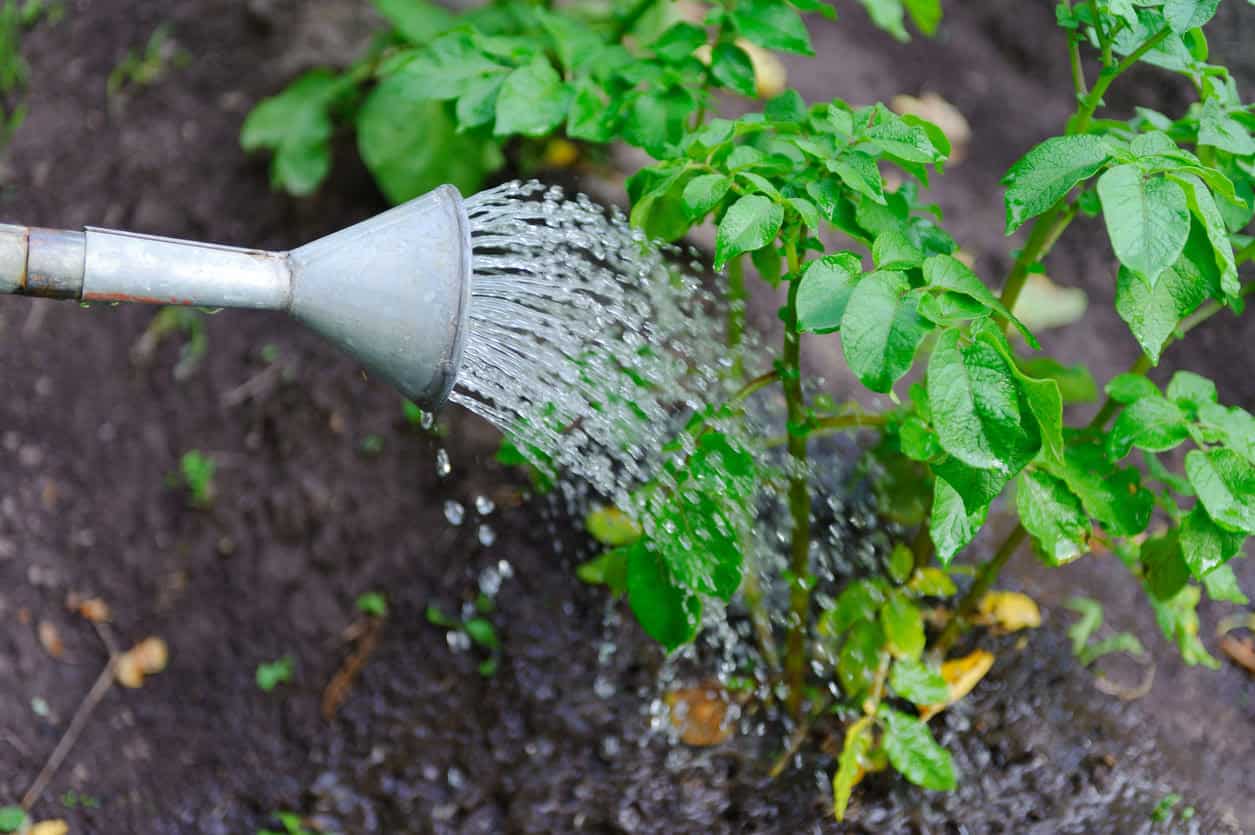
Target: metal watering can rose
{"points": [[392, 291]]}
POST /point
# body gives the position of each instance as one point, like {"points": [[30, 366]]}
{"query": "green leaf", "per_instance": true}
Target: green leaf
{"points": [[881, 330], [949, 273], [751, 223], [1090, 621], [898, 137], [703, 193], [478, 105], [1222, 584], [1112, 495], [1153, 313], [860, 657], [1234, 427], [12, 818], [411, 145], [976, 403], [825, 291], [445, 68], [1048, 172], [270, 675], [1220, 130], [932, 582], [806, 211], [296, 125], [903, 625], [858, 602], [533, 101], [772, 25], [418, 21], [1130, 388], [592, 116], [893, 250], [1148, 220], [1225, 484], [900, 563], [951, 526], [1164, 565], [1191, 391], [761, 185], [678, 42], [657, 202], [1076, 384], [671, 615], [925, 14], [918, 684], [1203, 206], [732, 68], [914, 752], [1153, 423], [577, 44], [789, 106], [1053, 515], [860, 172], [1184, 15], [483, 633], [1204, 544], [858, 741], [607, 569], [1178, 619], [889, 16]]}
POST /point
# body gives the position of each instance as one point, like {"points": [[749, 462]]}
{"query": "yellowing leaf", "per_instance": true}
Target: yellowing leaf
{"points": [[561, 153], [52, 827], [770, 75], [1043, 304], [700, 714], [1010, 610], [961, 675], [611, 526]]}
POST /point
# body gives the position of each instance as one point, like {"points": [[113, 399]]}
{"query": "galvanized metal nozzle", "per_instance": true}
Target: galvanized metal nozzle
{"points": [[392, 291]]}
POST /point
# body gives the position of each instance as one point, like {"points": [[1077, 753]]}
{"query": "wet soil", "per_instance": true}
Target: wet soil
{"points": [[324, 492]]}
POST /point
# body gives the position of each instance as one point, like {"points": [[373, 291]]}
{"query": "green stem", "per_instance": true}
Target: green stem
{"points": [[1043, 235], [922, 547], [985, 578], [1074, 54], [736, 313], [1080, 122], [799, 499]]}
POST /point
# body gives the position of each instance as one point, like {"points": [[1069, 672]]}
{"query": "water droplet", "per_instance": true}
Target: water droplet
{"points": [[454, 512], [484, 505], [443, 467], [487, 536]]}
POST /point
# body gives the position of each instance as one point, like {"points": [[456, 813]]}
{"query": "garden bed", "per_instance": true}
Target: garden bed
{"points": [[325, 492]]}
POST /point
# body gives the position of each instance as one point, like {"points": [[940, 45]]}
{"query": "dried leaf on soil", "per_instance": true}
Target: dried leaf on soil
{"points": [[1010, 610], [92, 609], [1043, 304], [50, 639], [1241, 650], [699, 714], [52, 827], [149, 657], [961, 675]]}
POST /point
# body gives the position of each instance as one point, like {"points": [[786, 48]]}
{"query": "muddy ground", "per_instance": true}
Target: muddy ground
{"points": [[324, 492]]}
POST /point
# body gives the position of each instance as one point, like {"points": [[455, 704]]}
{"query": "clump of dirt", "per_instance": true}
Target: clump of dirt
{"points": [[324, 491]]}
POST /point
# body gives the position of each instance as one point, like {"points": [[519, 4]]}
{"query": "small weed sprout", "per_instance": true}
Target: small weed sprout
{"points": [[143, 69], [476, 630], [189, 322], [373, 604], [196, 476], [12, 818], [273, 673], [291, 823]]}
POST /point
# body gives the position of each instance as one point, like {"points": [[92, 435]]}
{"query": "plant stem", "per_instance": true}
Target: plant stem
{"points": [[1074, 53], [736, 313], [985, 578], [1080, 122], [922, 547], [1046, 230], [759, 382], [799, 498]]}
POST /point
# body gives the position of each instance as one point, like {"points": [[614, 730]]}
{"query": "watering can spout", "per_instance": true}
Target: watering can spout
{"points": [[392, 291]]}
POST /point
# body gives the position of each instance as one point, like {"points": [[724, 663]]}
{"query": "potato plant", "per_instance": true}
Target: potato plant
{"points": [[449, 97]]}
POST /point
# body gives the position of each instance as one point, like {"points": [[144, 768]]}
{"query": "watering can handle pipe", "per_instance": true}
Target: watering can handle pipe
{"points": [[393, 291], [111, 266]]}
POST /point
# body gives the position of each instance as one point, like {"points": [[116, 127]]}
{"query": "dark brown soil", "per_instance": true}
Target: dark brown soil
{"points": [[306, 519]]}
